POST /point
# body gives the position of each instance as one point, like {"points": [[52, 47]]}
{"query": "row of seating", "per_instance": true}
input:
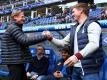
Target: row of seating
{"points": [[97, 13], [29, 6], [48, 52], [15, 3]]}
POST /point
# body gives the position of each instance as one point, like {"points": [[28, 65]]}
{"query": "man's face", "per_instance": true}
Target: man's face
{"points": [[40, 50], [20, 19], [76, 14], [106, 11], [64, 54]]}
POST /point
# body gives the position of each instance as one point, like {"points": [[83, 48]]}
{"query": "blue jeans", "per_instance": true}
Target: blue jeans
{"points": [[40, 77], [78, 75]]}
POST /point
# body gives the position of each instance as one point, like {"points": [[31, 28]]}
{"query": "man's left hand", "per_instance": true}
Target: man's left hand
{"points": [[71, 61]]}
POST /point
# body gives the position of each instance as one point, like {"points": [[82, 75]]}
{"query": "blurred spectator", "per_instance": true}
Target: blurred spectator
{"points": [[65, 17], [39, 16], [38, 69], [62, 72], [49, 14], [0, 23], [104, 14]]}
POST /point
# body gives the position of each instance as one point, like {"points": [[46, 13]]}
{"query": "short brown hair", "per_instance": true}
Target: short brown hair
{"points": [[39, 45], [66, 49], [15, 13], [83, 6]]}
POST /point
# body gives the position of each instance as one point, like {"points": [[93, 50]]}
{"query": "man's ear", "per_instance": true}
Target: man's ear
{"points": [[15, 17], [81, 11]]}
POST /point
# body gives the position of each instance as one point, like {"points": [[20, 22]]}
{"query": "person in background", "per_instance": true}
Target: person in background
{"points": [[0, 24], [38, 69], [62, 72], [15, 46], [104, 14], [87, 55]]}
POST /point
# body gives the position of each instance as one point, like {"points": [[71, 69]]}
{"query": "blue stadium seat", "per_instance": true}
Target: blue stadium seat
{"points": [[103, 72], [51, 54], [104, 39], [4, 73], [96, 12], [33, 51]]}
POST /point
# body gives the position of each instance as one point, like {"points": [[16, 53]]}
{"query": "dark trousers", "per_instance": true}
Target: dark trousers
{"points": [[17, 72], [78, 75]]}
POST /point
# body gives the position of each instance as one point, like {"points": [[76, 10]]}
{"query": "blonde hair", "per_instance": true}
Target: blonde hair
{"points": [[15, 13], [82, 6]]}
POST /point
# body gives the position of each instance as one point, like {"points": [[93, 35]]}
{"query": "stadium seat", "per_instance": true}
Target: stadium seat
{"points": [[4, 73], [51, 54], [103, 72], [33, 51], [104, 39]]}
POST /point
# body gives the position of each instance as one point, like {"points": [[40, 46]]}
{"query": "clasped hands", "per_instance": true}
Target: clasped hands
{"points": [[46, 33], [71, 60]]}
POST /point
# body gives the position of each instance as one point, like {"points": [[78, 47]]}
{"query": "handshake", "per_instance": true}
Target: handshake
{"points": [[47, 34]]}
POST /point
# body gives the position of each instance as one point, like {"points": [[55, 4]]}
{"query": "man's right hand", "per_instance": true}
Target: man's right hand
{"points": [[28, 74], [48, 34], [34, 77], [58, 74]]}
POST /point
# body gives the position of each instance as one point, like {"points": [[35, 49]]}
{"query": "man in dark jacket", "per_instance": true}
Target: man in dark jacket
{"points": [[38, 69], [15, 47]]}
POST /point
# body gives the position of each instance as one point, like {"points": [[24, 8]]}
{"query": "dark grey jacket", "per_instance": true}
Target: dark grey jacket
{"points": [[15, 45]]}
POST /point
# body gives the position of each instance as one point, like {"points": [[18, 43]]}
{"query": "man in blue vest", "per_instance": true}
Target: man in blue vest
{"points": [[84, 40]]}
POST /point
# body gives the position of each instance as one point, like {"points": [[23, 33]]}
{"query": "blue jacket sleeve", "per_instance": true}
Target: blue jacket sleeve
{"points": [[64, 71]]}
